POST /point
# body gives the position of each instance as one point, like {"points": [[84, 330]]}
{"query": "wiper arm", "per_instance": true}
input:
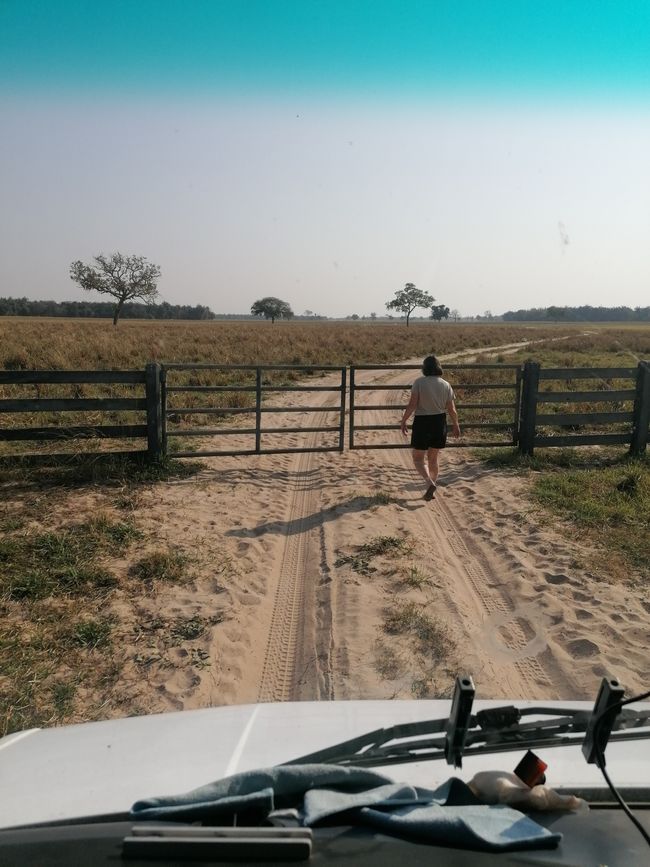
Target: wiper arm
{"points": [[493, 730]]}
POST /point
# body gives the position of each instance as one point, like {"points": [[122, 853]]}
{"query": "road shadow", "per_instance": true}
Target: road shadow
{"points": [[322, 516], [321, 478]]}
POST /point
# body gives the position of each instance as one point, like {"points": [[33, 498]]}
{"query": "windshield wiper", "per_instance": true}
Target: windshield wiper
{"points": [[494, 730]]}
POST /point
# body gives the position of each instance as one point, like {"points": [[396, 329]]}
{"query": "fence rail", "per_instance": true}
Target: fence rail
{"points": [[636, 418], [528, 390], [147, 378], [259, 389], [512, 406]]}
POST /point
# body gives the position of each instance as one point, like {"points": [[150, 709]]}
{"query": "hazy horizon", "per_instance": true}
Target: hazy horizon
{"points": [[494, 155]]}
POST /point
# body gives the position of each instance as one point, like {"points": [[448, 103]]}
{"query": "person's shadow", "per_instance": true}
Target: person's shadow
{"points": [[308, 522]]}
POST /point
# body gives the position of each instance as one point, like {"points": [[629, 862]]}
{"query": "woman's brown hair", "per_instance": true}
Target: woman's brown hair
{"points": [[431, 366]]}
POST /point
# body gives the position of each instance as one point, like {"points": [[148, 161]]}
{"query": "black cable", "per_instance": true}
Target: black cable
{"points": [[600, 761]]}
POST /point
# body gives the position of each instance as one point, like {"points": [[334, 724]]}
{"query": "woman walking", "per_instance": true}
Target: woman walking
{"points": [[431, 399]]}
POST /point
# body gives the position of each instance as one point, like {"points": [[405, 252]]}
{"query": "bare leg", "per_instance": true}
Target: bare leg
{"points": [[432, 460], [419, 464]]}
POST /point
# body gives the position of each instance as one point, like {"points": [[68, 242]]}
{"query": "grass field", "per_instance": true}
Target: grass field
{"points": [[74, 344]]}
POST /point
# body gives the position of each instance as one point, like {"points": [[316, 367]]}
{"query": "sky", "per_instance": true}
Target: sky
{"points": [[329, 151]]}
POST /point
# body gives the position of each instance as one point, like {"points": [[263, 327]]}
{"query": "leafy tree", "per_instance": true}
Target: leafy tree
{"points": [[122, 277], [272, 308], [557, 313], [439, 311], [407, 299], [586, 313]]}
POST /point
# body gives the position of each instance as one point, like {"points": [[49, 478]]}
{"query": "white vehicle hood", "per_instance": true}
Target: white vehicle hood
{"points": [[99, 768]]}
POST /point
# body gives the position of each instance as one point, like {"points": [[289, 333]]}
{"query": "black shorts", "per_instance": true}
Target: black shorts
{"points": [[429, 432]]}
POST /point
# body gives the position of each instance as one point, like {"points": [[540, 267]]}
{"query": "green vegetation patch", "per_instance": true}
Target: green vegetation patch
{"points": [[51, 652], [605, 493], [92, 633], [612, 503], [38, 565]]}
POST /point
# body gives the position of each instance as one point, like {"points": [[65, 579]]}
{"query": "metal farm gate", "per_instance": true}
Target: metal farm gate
{"points": [[212, 390], [502, 412], [492, 399]]}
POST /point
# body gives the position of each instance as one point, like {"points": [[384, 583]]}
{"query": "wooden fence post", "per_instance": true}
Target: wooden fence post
{"points": [[528, 415], [163, 411], [258, 410], [344, 371], [351, 415], [154, 412], [641, 410]]}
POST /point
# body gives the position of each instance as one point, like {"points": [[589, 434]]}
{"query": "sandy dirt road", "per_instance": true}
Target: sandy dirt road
{"points": [[519, 604]]}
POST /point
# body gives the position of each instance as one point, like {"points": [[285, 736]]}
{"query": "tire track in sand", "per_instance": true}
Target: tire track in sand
{"points": [[296, 643], [277, 680], [300, 638]]}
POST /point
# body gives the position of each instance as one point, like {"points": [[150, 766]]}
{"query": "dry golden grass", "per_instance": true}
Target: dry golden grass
{"points": [[90, 344]]}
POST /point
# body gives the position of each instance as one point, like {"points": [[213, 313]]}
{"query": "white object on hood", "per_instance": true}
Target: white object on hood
{"points": [[501, 787]]}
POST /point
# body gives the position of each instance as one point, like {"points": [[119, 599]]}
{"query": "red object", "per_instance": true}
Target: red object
{"points": [[530, 770]]}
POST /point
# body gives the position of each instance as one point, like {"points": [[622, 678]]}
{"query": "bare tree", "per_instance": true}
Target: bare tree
{"points": [[125, 278]]}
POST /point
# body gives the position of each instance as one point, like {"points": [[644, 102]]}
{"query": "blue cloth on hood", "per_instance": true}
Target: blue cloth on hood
{"points": [[449, 815]]}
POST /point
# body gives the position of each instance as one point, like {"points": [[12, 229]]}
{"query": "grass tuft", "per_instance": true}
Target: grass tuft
{"points": [[387, 546], [93, 633], [409, 618], [169, 566], [415, 578], [188, 629], [389, 664], [63, 697]]}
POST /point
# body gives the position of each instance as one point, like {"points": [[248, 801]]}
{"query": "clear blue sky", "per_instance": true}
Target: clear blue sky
{"points": [[494, 153]]}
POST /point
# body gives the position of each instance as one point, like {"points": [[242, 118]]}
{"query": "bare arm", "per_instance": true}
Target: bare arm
{"points": [[451, 409], [411, 406]]}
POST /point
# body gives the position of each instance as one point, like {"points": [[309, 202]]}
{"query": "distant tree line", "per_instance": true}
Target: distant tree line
{"points": [[103, 309], [585, 313]]}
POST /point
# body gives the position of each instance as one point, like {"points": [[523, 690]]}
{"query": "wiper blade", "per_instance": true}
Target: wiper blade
{"points": [[493, 730]]}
